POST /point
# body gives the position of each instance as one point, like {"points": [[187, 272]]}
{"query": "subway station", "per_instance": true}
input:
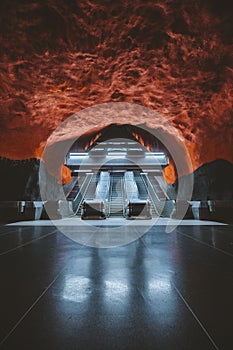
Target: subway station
{"points": [[116, 175], [119, 176], [112, 264]]}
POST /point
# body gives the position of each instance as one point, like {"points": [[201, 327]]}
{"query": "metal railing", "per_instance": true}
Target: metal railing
{"points": [[151, 192], [77, 202]]}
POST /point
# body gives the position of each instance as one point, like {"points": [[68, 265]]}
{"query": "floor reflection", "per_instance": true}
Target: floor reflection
{"points": [[77, 288], [140, 296], [116, 282]]}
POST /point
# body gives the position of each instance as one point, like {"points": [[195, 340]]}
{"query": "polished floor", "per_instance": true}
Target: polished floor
{"points": [[162, 291]]}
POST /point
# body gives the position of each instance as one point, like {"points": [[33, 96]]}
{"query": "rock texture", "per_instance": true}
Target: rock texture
{"points": [[212, 181], [58, 57], [19, 180]]}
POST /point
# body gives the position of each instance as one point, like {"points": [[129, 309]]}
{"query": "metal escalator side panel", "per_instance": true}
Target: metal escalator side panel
{"points": [[138, 205], [93, 209], [103, 186], [142, 186], [139, 209], [130, 186]]}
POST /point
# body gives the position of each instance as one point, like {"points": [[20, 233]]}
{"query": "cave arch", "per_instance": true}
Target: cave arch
{"points": [[89, 122], [92, 120]]}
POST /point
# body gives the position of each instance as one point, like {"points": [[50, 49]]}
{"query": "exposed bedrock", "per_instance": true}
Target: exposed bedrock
{"points": [[59, 57]]}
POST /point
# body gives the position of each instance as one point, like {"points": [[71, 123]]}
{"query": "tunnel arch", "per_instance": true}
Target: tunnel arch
{"points": [[92, 120]]}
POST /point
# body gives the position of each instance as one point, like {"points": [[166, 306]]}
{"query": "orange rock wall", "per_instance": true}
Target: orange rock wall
{"points": [[58, 57]]}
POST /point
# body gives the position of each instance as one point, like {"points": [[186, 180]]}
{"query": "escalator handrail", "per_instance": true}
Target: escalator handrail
{"points": [[124, 196], [110, 194], [153, 197], [162, 189], [82, 191], [71, 189]]}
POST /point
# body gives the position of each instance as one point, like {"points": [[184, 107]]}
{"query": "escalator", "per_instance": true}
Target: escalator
{"points": [[146, 191], [116, 195], [86, 190], [74, 187], [156, 182], [138, 205], [89, 193], [94, 204], [91, 190], [142, 188]]}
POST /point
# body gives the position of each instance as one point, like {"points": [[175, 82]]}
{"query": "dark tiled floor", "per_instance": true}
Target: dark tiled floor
{"points": [[164, 291]]}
